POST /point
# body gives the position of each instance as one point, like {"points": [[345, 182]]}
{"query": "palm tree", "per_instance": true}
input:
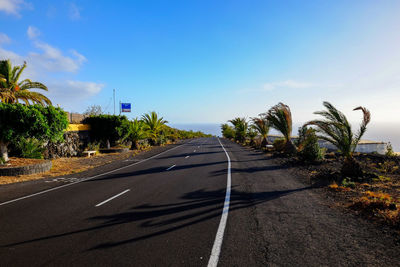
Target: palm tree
{"points": [[136, 133], [11, 90], [154, 125], [261, 125], [280, 118], [337, 130], [241, 127]]}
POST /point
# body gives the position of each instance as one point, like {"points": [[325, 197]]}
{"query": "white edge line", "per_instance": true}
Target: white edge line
{"points": [[170, 167], [88, 178], [216, 249], [111, 198]]}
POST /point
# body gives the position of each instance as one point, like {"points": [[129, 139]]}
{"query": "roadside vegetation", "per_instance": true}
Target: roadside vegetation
{"points": [[368, 184], [29, 122]]}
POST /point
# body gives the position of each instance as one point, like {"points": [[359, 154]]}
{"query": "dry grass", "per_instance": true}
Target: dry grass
{"points": [[64, 166], [380, 205]]}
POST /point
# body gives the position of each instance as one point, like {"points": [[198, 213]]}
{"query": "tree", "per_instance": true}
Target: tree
{"points": [[337, 130], [93, 110], [241, 127], [154, 125], [136, 133], [261, 125], [280, 118], [11, 90], [107, 128], [35, 121]]}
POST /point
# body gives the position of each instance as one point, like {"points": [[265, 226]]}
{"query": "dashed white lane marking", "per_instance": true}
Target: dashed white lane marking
{"points": [[88, 178], [194, 150], [216, 249], [64, 180], [198, 147], [186, 157], [111, 198], [170, 167]]}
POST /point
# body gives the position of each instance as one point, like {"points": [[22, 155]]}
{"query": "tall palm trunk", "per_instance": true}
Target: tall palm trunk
{"points": [[290, 148], [3, 151], [135, 145], [264, 142]]}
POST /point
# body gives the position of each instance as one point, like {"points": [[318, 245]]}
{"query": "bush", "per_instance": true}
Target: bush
{"points": [[94, 146], [19, 122], [108, 127], [308, 147], [389, 150], [227, 131], [279, 144], [31, 148]]}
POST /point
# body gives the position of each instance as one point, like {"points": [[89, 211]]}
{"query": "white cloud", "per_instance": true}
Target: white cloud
{"points": [[54, 60], [46, 64], [32, 32], [71, 94], [13, 6], [47, 59], [74, 12], [4, 39]]}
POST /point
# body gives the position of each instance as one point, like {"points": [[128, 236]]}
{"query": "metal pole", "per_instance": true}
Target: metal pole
{"points": [[114, 99]]}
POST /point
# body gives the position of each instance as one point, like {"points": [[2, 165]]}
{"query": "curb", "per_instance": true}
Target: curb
{"points": [[28, 169]]}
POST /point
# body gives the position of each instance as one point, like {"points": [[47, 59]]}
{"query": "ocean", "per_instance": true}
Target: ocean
{"points": [[381, 132]]}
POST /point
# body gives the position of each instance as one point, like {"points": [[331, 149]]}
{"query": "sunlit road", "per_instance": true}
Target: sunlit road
{"points": [[164, 211], [168, 209]]}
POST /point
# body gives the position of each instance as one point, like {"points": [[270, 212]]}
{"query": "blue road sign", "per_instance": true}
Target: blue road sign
{"points": [[126, 107]]}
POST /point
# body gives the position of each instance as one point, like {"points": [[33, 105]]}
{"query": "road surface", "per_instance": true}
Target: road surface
{"points": [[171, 210]]}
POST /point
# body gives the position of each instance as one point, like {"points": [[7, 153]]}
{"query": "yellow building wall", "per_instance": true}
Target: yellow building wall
{"points": [[78, 127]]}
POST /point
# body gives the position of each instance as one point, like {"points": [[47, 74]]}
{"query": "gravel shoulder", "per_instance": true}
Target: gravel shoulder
{"points": [[277, 220]]}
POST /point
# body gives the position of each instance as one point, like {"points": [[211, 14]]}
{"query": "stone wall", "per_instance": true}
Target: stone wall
{"points": [[73, 145]]}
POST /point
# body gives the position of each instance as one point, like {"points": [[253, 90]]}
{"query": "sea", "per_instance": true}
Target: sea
{"points": [[380, 132]]}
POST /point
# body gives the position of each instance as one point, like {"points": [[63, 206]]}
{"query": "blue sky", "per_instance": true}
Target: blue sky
{"points": [[209, 61]]}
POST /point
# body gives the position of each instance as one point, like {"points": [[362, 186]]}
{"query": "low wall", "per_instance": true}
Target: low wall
{"points": [[363, 147]]}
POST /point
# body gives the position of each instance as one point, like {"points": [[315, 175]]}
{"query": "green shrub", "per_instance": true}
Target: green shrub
{"points": [[93, 146], [347, 182], [35, 121], [31, 148], [108, 127], [279, 144], [227, 131], [389, 150], [308, 147]]}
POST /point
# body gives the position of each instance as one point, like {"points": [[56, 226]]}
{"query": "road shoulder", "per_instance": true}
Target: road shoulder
{"points": [[275, 219]]}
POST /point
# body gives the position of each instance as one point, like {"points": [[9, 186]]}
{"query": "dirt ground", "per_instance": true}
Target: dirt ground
{"points": [[375, 196]]}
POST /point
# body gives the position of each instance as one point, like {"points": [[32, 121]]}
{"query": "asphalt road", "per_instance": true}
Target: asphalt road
{"points": [[166, 211]]}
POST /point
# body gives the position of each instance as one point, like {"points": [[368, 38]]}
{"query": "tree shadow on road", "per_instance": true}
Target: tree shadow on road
{"points": [[159, 219]]}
